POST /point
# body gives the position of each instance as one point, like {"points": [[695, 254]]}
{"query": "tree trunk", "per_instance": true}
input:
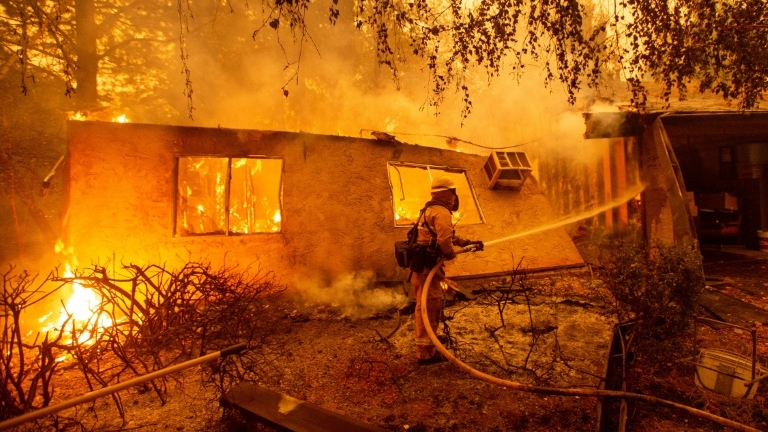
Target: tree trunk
{"points": [[87, 57]]}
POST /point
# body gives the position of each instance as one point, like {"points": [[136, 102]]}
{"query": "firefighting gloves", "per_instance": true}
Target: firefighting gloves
{"points": [[479, 245]]}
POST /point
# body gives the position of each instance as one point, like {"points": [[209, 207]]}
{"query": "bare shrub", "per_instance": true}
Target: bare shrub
{"points": [[26, 367], [162, 316], [148, 318]]}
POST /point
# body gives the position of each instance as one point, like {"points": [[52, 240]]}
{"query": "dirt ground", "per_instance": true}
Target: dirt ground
{"points": [[364, 367], [741, 277], [739, 274]]}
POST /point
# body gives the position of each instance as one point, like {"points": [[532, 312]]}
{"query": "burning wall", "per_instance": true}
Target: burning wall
{"points": [[334, 214]]}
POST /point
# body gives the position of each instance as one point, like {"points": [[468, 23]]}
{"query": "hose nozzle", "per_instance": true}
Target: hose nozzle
{"points": [[471, 248]]}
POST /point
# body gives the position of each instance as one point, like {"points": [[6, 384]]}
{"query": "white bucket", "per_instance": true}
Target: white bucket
{"points": [[725, 373], [762, 238]]}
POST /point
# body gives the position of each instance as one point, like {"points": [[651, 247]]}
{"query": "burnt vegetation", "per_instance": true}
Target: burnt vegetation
{"points": [[27, 366], [537, 354], [145, 320], [654, 296], [543, 343]]}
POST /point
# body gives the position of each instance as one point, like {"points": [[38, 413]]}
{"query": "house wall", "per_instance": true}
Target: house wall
{"points": [[337, 207]]}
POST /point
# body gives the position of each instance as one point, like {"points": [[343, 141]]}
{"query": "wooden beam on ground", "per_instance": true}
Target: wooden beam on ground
{"points": [[286, 413]]}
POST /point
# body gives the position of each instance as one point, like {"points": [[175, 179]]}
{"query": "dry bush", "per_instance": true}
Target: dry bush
{"points": [[148, 318], [26, 367], [165, 316]]}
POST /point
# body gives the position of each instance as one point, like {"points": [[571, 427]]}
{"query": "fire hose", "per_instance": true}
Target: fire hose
{"points": [[555, 390], [91, 396]]}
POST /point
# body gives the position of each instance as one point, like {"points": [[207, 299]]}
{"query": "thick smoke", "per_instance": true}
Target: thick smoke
{"points": [[338, 88], [353, 295]]}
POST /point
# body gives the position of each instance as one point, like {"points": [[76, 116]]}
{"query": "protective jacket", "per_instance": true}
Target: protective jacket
{"points": [[434, 227], [437, 217]]}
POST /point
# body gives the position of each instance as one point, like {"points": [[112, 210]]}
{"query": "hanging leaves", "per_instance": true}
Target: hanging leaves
{"points": [[720, 45]]}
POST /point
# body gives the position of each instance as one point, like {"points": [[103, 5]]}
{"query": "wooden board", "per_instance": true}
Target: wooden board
{"points": [[282, 411]]}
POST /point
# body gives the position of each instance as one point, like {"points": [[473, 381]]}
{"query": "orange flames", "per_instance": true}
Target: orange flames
{"points": [[215, 198], [78, 116], [83, 308], [80, 310], [83, 116]]}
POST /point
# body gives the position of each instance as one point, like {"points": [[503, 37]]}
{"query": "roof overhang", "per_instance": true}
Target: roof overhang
{"points": [[683, 128]]}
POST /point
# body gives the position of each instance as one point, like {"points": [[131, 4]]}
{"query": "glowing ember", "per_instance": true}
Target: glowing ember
{"points": [[120, 119], [45, 317]]}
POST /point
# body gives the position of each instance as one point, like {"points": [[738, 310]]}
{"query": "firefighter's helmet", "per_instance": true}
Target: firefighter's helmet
{"points": [[443, 183]]}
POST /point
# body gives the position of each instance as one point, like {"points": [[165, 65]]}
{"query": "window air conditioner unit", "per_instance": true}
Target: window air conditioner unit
{"points": [[507, 170]]}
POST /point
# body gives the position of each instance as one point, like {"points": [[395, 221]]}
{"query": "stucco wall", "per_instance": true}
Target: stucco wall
{"points": [[337, 211]]}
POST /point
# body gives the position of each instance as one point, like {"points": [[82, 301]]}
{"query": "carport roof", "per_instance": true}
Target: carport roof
{"points": [[683, 128]]}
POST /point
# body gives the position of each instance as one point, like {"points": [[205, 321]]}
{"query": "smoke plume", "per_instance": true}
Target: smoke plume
{"points": [[353, 295]]}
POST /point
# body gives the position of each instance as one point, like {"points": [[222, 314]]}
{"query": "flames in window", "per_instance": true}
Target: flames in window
{"points": [[411, 189], [228, 196]]}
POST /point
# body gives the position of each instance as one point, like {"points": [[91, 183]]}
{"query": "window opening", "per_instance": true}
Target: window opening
{"points": [[229, 196], [411, 189]]}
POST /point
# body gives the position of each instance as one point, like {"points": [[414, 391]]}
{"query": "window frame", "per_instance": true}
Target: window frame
{"points": [[227, 232], [429, 167]]}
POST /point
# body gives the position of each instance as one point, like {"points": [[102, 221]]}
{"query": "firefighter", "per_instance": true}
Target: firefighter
{"points": [[436, 237]]}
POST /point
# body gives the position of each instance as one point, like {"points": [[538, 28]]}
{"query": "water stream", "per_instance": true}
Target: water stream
{"points": [[626, 196]]}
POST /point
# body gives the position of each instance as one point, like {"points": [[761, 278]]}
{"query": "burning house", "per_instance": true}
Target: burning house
{"points": [[321, 207], [303, 206]]}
